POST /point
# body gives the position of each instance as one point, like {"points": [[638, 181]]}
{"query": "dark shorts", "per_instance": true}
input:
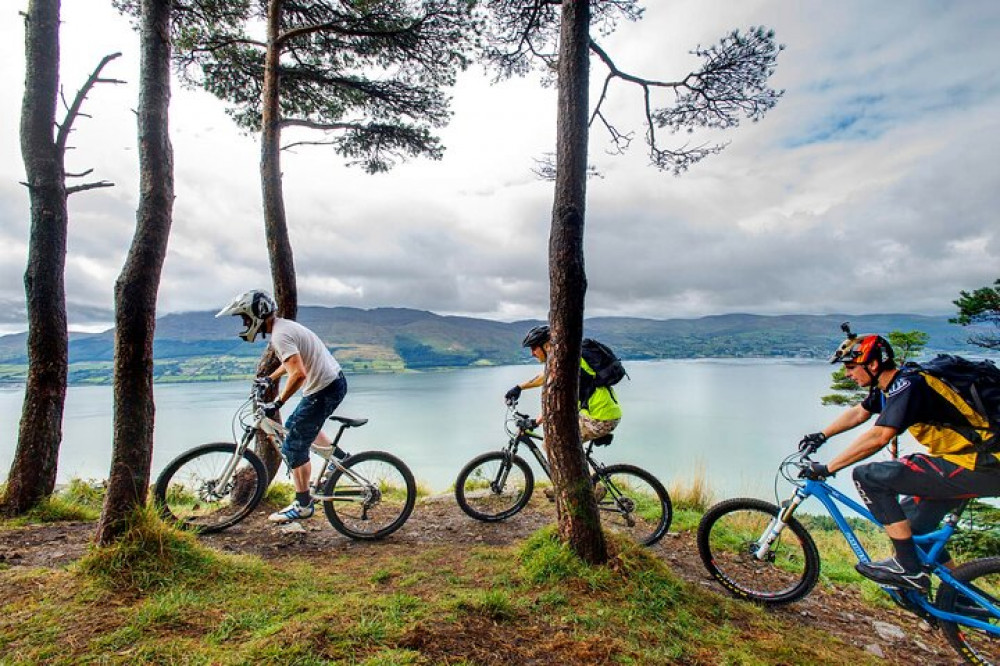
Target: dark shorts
{"points": [[934, 485], [307, 420]]}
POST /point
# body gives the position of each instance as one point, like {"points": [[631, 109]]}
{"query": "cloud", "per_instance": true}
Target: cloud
{"points": [[869, 188]]}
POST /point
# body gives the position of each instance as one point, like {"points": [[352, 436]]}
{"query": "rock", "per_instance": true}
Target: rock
{"points": [[292, 528], [888, 632], [875, 649]]}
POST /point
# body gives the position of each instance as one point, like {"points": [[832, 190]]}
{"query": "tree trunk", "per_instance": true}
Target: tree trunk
{"points": [[579, 522], [279, 246], [33, 471], [267, 364], [135, 290]]}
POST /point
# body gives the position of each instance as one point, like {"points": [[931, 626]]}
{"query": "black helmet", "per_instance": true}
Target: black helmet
{"points": [[536, 337]]}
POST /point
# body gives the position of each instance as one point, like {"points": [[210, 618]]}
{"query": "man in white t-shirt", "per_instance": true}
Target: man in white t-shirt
{"points": [[309, 365]]}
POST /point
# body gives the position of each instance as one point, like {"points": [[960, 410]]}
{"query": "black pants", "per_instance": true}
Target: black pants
{"points": [[934, 485]]}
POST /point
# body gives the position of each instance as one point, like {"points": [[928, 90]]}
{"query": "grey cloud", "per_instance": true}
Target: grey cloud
{"points": [[870, 187]]}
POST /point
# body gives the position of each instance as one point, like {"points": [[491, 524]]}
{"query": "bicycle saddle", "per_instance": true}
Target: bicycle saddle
{"points": [[350, 423], [603, 441]]}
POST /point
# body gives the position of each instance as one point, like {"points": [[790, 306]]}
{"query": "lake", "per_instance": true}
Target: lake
{"points": [[732, 419]]}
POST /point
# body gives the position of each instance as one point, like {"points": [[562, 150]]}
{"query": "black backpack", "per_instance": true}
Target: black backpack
{"points": [[970, 386], [607, 367]]}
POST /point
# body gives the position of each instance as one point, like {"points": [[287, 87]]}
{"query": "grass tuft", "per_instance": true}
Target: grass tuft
{"points": [[151, 555], [279, 493], [85, 493], [495, 605], [80, 500], [692, 492], [545, 559]]}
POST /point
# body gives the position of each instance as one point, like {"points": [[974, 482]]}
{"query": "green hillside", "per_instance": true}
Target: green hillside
{"points": [[195, 346]]}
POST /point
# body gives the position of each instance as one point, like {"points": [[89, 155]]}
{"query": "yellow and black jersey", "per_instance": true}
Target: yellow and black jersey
{"points": [[910, 403]]}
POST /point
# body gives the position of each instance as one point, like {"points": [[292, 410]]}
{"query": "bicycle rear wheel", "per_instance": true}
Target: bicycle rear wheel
{"points": [[373, 499], [727, 540], [189, 491], [976, 646], [634, 502], [494, 486]]}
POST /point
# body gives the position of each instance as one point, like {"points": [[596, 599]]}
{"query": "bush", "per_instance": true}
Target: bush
{"points": [[979, 535]]}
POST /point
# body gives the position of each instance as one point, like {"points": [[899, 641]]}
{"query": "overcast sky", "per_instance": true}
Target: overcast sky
{"points": [[871, 187]]}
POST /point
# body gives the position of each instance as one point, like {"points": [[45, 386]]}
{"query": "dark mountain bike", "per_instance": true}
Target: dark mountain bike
{"points": [[214, 486], [497, 485], [758, 551]]}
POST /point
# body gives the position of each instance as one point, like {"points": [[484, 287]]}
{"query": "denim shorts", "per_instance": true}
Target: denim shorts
{"points": [[307, 420]]}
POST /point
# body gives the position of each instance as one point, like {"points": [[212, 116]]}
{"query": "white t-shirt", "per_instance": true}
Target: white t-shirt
{"points": [[289, 338]]}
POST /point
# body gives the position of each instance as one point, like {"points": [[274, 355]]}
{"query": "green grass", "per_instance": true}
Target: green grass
{"points": [[151, 555], [279, 493], [79, 500]]}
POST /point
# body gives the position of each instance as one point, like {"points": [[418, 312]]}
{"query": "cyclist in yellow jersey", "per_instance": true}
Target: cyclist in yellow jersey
{"points": [[600, 412], [934, 483]]}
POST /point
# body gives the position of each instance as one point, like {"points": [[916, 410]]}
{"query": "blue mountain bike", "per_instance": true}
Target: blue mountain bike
{"points": [[759, 552]]}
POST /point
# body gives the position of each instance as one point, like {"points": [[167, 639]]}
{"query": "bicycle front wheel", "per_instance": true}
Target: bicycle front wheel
{"points": [[373, 498], [977, 646], [191, 491], [494, 486], [634, 502], [728, 538]]}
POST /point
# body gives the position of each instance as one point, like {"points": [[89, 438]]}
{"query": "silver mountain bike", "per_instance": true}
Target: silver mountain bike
{"points": [[214, 486]]}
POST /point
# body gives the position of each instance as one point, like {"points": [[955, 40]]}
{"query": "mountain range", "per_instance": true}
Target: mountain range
{"points": [[197, 346]]}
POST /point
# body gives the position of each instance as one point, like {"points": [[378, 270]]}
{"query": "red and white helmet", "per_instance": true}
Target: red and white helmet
{"points": [[254, 307], [861, 349]]}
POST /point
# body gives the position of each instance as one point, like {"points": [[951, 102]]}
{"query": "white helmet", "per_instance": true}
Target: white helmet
{"points": [[255, 307]]}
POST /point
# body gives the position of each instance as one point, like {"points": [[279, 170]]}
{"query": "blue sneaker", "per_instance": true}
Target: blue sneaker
{"points": [[891, 573], [293, 511]]}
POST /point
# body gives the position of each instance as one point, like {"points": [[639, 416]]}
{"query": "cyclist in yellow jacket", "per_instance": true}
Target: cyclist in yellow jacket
{"points": [[600, 412]]}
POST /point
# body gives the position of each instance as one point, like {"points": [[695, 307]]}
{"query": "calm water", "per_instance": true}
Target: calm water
{"points": [[732, 419]]}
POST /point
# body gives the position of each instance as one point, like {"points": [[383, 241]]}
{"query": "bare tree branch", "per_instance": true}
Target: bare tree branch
{"points": [[545, 168], [79, 175], [311, 124], [731, 83], [296, 144], [74, 109], [88, 186]]}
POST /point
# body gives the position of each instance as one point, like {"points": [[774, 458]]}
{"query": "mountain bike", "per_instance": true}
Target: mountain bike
{"points": [[760, 552], [214, 486], [497, 485]]}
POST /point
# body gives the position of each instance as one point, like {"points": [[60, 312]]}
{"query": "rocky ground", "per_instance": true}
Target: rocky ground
{"points": [[894, 635]]}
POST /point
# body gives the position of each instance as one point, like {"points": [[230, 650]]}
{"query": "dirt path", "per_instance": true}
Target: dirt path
{"points": [[896, 636]]}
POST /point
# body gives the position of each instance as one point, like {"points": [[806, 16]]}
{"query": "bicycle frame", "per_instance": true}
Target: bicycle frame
{"points": [[275, 433], [527, 439], [930, 547]]}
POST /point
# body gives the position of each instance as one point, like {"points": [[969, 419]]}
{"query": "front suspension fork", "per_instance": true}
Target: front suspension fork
{"points": [[773, 532]]}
